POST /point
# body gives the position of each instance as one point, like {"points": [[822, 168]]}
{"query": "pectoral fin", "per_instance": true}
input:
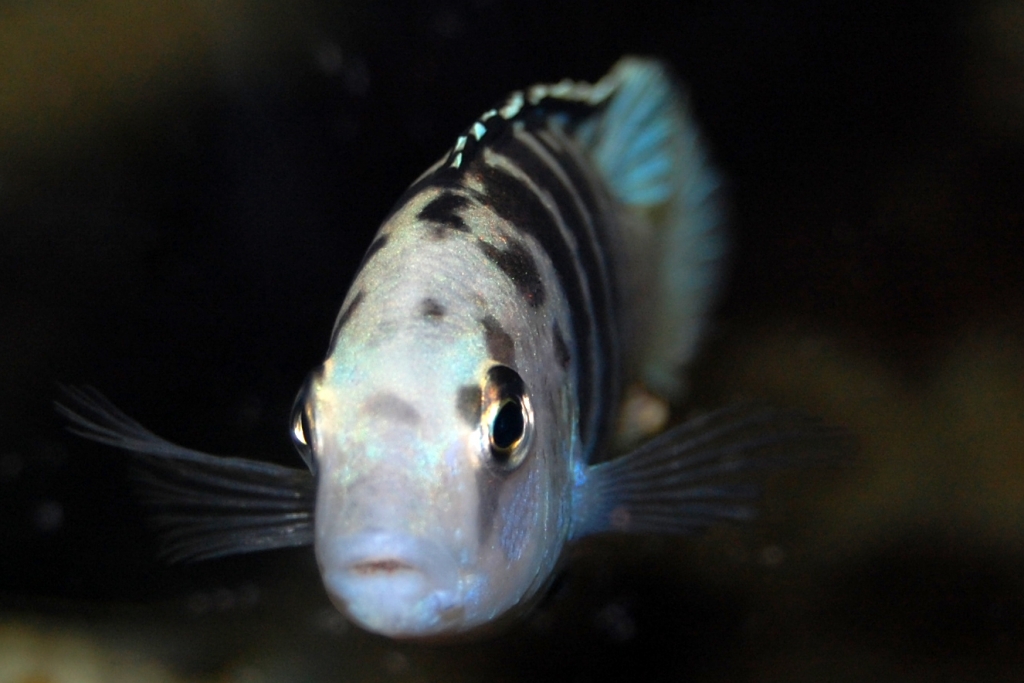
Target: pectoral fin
{"points": [[704, 471], [207, 506]]}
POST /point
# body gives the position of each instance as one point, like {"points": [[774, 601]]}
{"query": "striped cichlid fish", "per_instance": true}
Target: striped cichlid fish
{"points": [[466, 425]]}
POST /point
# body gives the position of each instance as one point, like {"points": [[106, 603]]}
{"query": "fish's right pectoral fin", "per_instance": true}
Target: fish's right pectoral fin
{"points": [[205, 505]]}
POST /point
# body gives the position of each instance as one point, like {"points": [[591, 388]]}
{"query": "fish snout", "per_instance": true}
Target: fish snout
{"points": [[396, 584]]}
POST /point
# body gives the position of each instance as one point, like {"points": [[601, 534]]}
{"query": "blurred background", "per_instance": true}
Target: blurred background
{"points": [[186, 187]]}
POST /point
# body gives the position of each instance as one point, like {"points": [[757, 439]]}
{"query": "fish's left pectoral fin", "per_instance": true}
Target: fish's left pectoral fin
{"points": [[707, 470], [205, 505]]}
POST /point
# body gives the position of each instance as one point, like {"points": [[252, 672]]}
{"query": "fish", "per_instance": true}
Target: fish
{"points": [[471, 420]]}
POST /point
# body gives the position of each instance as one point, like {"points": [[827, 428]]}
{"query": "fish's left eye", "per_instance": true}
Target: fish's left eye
{"points": [[302, 430], [507, 417]]}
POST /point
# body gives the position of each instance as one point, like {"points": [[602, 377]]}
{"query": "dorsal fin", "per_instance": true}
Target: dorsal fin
{"points": [[648, 150], [520, 103], [635, 125]]}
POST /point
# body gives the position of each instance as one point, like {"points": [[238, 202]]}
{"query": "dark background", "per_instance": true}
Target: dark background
{"points": [[186, 188]]}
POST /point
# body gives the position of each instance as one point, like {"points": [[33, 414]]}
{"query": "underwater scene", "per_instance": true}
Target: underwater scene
{"points": [[187, 192]]}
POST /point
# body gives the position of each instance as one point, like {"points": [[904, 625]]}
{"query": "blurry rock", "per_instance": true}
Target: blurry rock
{"points": [[996, 68], [64, 655]]}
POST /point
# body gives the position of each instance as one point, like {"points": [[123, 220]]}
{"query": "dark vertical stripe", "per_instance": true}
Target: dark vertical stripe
{"points": [[443, 178], [518, 264], [590, 257], [513, 201], [441, 212], [379, 243], [374, 247], [343, 318], [488, 491], [562, 354], [500, 345], [469, 404], [579, 270], [600, 209]]}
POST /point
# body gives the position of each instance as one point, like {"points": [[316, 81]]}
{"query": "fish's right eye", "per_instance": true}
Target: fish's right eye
{"points": [[302, 430]]}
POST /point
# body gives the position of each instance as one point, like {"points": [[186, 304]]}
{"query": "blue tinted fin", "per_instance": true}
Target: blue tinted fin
{"points": [[649, 152], [707, 470]]}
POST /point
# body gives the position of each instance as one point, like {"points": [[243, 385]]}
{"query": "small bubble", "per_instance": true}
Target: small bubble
{"points": [[772, 556], [248, 595], [844, 232], [329, 58], [395, 663], [248, 674], [248, 412], [356, 77], [223, 599], [541, 622], [48, 516], [199, 603], [619, 518], [49, 455], [11, 465], [346, 127], [332, 621], [810, 347], [615, 621], [447, 23]]}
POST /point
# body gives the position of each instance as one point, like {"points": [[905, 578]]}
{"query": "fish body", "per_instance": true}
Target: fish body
{"points": [[477, 362], [459, 432]]}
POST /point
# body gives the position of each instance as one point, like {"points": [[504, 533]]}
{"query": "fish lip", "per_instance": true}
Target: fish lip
{"points": [[383, 552], [392, 583], [380, 566]]}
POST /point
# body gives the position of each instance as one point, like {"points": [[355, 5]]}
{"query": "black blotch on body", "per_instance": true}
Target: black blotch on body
{"points": [[561, 349], [392, 407], [441, 212], [432, 309], [500, 345], [508, 197], [595, 339], [517, 263], [575, 266], [489, 485], [469, 404], [374, 247], [444, 178]]}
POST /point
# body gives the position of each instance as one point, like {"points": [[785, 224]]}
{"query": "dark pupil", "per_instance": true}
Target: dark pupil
{"points": [[508, 425]]}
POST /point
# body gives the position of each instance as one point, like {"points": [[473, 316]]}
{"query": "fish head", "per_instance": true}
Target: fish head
{"points": [[442, 501]]}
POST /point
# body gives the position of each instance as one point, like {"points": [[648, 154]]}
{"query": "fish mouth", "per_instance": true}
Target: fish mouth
{"points": [[380, 567], [395, 584]]}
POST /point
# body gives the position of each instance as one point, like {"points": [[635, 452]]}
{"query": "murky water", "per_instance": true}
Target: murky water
{"points": [[186, 189]]}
